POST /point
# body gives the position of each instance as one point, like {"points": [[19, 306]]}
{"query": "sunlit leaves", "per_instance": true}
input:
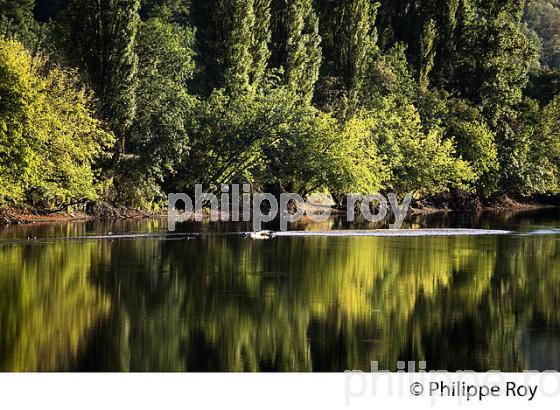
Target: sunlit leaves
{"points": [[49, 136]]}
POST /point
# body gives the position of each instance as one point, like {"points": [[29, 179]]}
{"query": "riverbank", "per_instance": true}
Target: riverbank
{"points": [[440, 204], [464, 202], [11, 216]]}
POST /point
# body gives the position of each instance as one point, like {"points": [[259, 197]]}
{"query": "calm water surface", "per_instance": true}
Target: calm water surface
{"points": [[224, 303]]}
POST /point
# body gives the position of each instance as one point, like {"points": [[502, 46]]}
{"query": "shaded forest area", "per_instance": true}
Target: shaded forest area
{"points": [[115, 103]]}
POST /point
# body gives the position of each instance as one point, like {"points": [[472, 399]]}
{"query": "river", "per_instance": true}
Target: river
{"points": [[128, 296]]}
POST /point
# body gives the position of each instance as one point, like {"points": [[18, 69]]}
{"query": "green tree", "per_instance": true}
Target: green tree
{"points": [[317, 153], [296, 45], [544, 152], [273, 140], [427, 53], [16, 21], [228, 44], [418, 160], [20, 11], [227, 134], [543, 18], [101, 40], [494, 70], [172, 11], [474, 141], [49, 138], [543, 85], [260, 46], [158, 136], [432, 30], [349, 39]]}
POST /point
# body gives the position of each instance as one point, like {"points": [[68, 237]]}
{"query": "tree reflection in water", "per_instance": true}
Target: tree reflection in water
{"points": [[291, 304]]}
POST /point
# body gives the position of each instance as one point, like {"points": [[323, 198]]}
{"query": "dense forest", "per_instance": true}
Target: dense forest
{"points": [[118, 102]]}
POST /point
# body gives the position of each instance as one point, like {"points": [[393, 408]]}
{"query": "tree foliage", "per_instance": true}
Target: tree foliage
{"points": [[49, 139], [543, 19], [295, 45], [158, 136], [403, 95], [349, 41], [101, 38]]}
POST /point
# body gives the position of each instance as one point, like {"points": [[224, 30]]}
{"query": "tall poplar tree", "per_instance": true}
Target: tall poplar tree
{"points": [[427, 53], [238, 19], [296, 44], [496, 60], [261, 37], [227, 43], [349, 38], [102, 38]]}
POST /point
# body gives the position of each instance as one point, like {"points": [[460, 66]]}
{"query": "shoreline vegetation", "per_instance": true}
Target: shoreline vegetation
{"points": [[459, 104], [435, 205]]}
